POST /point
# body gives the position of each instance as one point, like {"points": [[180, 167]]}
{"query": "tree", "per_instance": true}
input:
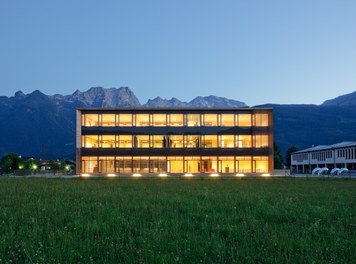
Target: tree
{"points": [[290, 150], [278, 159], [10, 162]]}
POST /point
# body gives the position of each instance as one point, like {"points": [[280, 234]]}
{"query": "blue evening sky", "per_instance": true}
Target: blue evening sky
{"points": [[253, 51]]}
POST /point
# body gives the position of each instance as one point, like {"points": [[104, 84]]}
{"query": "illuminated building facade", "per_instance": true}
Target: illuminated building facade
{"points": [[142, 141]]}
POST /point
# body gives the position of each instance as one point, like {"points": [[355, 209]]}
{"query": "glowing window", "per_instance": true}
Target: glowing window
{"points": [[90, 141], [140, 164], [142, 141], [142, 119], [176, 119], [261, 164], [193, 120], [158, 164], [90, 164], [244, 141], [261, 120], [261, 141], [107, 141], [209, 164], [108, 120], [227, 119], [210, 119], [125, 120], [191, 141], [209, 141], [125, 141], [226, 165], [176, 141], [192, 164], [159, 120], [243, 164], [106, 164], [90, 120], [158, 141], [124, 164], [175, 164], [244, 119], [227, 141]]}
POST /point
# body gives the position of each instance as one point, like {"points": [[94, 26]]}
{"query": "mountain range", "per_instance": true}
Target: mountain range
{"points": [[43, 126]]}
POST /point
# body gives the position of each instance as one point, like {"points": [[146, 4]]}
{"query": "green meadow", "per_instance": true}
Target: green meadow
{"points": [[177, 220]]}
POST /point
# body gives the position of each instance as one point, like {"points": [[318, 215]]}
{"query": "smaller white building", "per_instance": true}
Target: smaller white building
{"points": [[340, 155]]}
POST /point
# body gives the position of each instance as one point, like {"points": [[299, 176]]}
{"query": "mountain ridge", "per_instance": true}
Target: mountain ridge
{"points": [[41, 125]]}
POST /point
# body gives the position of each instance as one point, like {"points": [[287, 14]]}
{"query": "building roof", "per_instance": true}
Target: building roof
{"points": [[172, 109], [344, 144]]}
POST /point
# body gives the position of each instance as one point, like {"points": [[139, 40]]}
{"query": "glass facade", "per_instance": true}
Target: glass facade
{"points": [[222, 141]]}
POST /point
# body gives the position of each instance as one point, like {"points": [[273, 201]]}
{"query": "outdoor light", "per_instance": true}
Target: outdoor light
{"points": [[266, 175], [162, 175], [34, 166], [111, 175], [136, 175], [67, 167], [214, 175], [85, 175], [240, 175], [21, 167], [188, 175]]}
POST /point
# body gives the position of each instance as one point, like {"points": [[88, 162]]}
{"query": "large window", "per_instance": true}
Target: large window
{"points": [[227, 141], [107, 141], [159, 120], [176, 141], [226, 164], [261, 120], [192, 164], [125, 141], [158, 141], [209, 164], [124, 164], [243, 141], [106, 164], [125, 120], [158, 164], [176, 119], [210, 119], [90, 164], [191, 141], [142, 120], [90, 120], [227, 120], [243, 164], [261, 164], [140, 164], [90, 141], [142, 141], [244, 120], [261, 141], [175, 164], [193, 120], [209, 141], [108, 120]]}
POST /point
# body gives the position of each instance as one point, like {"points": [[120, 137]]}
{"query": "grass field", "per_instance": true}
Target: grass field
{"points": [[177, 221]]}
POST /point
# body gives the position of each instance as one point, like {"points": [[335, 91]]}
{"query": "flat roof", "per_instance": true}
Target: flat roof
{"points": [[344, 144], [172, 109]]}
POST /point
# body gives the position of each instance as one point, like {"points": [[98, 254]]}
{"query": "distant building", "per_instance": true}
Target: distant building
{"points": [[340, 155], [126, 141]]}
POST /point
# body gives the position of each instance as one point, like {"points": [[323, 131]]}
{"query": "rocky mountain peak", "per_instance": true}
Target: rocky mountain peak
{"points": [[343, 100]]}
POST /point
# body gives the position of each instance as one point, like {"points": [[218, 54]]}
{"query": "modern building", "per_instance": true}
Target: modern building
{"points": [[137, 141], [340, 155]]}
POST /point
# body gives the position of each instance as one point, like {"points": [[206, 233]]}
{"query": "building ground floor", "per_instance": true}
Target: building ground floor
{"points": [[102, 165], [308, 168]]}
